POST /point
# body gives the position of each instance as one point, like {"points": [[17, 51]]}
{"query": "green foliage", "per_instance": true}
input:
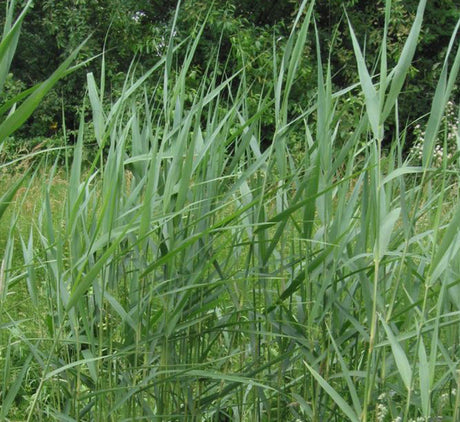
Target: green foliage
{"points": [[368, 21], [244, 32], [187, 273], [18, 104], [57, 28], [15, 108]]}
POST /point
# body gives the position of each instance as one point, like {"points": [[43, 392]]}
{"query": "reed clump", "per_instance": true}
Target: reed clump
{"points": [[186, 273]]}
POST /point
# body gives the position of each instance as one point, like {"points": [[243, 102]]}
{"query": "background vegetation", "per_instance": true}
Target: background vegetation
{"points": [[247, 222], [243, 31]]}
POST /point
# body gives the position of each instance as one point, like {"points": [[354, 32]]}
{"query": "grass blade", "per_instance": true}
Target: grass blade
{"points": [[343, 405], [398, 74], [370, 93], [401, 360]]}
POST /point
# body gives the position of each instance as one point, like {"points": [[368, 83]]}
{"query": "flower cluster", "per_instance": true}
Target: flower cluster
{"points": [[137, 16], [386, 407], [382, 406], [450, 131], [382, 411]]}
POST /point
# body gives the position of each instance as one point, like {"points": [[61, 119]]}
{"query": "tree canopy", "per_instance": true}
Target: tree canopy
{"points": [[244, 32]]}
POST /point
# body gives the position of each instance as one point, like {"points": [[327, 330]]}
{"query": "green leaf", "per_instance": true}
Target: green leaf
{"points": [[401, 171], [442, 94], [347, 376], [386, 229], [398, 74], [83, 282], [96, 106], [10, 40], [401, 360], [14, 389], [87, 361], [343, 405], [450, 244], [22, 113], [370, 93], [7, 197], [424, 375]]}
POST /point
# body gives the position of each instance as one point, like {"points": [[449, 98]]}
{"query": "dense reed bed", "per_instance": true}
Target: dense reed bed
{"points": [[188, 274]]}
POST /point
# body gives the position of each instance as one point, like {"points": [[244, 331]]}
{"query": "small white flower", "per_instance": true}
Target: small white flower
{"points": [[444, 398], [382, 411], [138, 16], [382, 396]]}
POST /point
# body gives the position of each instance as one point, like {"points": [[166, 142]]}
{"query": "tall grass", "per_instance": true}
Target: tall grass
{"points": [[191, 275]]}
